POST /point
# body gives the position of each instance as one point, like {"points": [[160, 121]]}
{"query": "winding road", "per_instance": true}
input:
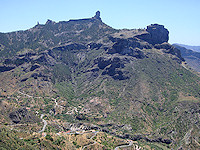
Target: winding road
{"points": [[95, 133], [29, 96], [123, 146], [45, 124], [55, 101], [42, 115]]}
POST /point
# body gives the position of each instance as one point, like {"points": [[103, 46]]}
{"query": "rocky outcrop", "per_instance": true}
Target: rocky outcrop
{"points": [[156, 34], [112, 66], [23, 116], [167, 48], [40, 75], [16, 61], [50, 22], [94, 45], [97, 16], [5, 68], [34, 60], [25, 58], [34, 67], [130, 47]]}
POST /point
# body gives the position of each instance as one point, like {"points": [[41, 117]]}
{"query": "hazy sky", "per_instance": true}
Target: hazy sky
{"points": [[180, 17]]}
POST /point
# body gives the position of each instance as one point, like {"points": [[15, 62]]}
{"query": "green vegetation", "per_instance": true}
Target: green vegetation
{"points": [[60, 73], [65, 90], [123, 84], [11, 141], [48, 137]]}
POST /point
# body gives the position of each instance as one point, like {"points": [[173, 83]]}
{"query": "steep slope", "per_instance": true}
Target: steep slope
{"points": [[191, 57], [129, 83]]}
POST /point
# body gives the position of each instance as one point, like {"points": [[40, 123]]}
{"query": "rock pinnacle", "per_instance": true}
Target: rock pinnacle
{"points": [[97, 16]]}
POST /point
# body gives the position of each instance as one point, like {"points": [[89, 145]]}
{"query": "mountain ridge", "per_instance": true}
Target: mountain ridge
{"points": [[194, 48], [132, 83], [191, 57]]}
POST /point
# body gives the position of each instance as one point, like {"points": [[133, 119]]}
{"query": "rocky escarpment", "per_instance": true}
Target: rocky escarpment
{"points": [[167, 48], [5, 68], [24, 58], [30, 63], [119, 52], [54, 34], [112, 66], [132, 42], [131, 47]]}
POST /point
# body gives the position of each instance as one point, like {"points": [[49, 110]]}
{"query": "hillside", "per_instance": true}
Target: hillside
{"points": [[191, 57], [83, 75]]}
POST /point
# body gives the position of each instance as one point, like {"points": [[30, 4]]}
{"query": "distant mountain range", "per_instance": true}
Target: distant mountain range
{"points": [[194, 48], [192, 57]]}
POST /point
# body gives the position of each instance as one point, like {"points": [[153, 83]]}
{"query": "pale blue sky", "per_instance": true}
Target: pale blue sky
{"points": [[180, 17]]}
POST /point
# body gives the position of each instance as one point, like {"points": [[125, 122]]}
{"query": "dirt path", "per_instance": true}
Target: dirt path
{"points": [[29, 96]]}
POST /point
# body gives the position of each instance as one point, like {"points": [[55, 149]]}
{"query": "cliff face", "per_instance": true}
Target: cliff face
{"points": [[158, 34], [128, 42]]}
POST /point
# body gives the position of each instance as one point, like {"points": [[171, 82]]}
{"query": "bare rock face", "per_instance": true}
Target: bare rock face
{"points": [[156, 34], [167, 48], [97, 16], [131, 47], [50, 22], [113, 67], [5, 68]]}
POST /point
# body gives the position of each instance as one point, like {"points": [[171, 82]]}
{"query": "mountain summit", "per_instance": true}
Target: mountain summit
{"points": [[97, 16], [83, 74]]}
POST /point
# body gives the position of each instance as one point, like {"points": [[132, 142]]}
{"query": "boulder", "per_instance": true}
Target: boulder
{"points": [[156, 34]]}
